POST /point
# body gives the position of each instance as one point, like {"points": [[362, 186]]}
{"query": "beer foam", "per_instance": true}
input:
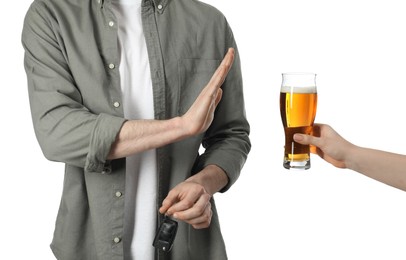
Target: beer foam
{"points": [[303, 90]]}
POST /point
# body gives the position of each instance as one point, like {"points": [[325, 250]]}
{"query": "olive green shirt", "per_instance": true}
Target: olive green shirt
{"points": [[72, 61]]}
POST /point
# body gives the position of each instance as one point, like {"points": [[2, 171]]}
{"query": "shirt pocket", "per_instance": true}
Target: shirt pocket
{"points": [[194, 74]]}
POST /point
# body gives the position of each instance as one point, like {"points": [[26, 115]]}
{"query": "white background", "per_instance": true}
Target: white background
{"points": [[358, 50]]}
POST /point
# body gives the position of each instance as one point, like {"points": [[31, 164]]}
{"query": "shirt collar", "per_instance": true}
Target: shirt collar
{"points": [[158, 4]]}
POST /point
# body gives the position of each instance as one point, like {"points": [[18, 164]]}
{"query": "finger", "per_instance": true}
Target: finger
{"points": [[204, 220], [164, 209], [228, 59], [215, 101], [195, 211], [221, 73], [181, 205], [168, 202]]}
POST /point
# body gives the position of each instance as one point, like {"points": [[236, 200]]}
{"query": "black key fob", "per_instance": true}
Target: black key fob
{"points": [[165, 234]]}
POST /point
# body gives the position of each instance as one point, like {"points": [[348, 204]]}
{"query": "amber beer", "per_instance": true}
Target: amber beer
{"points": [[298, 105]]}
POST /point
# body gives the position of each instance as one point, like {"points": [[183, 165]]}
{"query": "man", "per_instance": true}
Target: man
{"points": [[129, 126]]}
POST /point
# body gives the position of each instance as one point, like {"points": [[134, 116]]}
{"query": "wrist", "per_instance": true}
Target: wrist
{"points": [[180, 125], [212, 178], [352, 157]]}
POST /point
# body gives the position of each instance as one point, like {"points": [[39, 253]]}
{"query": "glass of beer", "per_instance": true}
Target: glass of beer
{"points": [[298, 105]]}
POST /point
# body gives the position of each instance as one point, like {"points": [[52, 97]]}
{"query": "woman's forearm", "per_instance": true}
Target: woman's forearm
{"points": [[386, 167]]}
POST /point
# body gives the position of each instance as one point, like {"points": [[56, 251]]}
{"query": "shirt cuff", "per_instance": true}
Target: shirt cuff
{"points": [[227, 161], [102, 137]]}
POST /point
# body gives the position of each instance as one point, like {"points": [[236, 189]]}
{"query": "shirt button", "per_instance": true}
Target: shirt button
{"points": [[116, 104], [160, 7], [117, 240], [119, 194], [111, 23], [112, 66]]}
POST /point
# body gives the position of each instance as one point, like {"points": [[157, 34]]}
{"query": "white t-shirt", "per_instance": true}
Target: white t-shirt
{"points": [[141, 171]]}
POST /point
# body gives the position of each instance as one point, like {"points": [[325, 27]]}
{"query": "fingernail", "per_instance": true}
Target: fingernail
{"points": [[298, 137]]}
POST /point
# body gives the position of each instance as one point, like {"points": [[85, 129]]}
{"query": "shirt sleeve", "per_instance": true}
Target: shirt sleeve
{"points": [[227, 140], [66, 130]]}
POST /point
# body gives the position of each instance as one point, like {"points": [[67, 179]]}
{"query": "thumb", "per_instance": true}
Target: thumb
{"points": [[306, 139], [219, 95]]}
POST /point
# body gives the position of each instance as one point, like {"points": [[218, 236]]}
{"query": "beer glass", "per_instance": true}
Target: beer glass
{"points": [[298, 104]]}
